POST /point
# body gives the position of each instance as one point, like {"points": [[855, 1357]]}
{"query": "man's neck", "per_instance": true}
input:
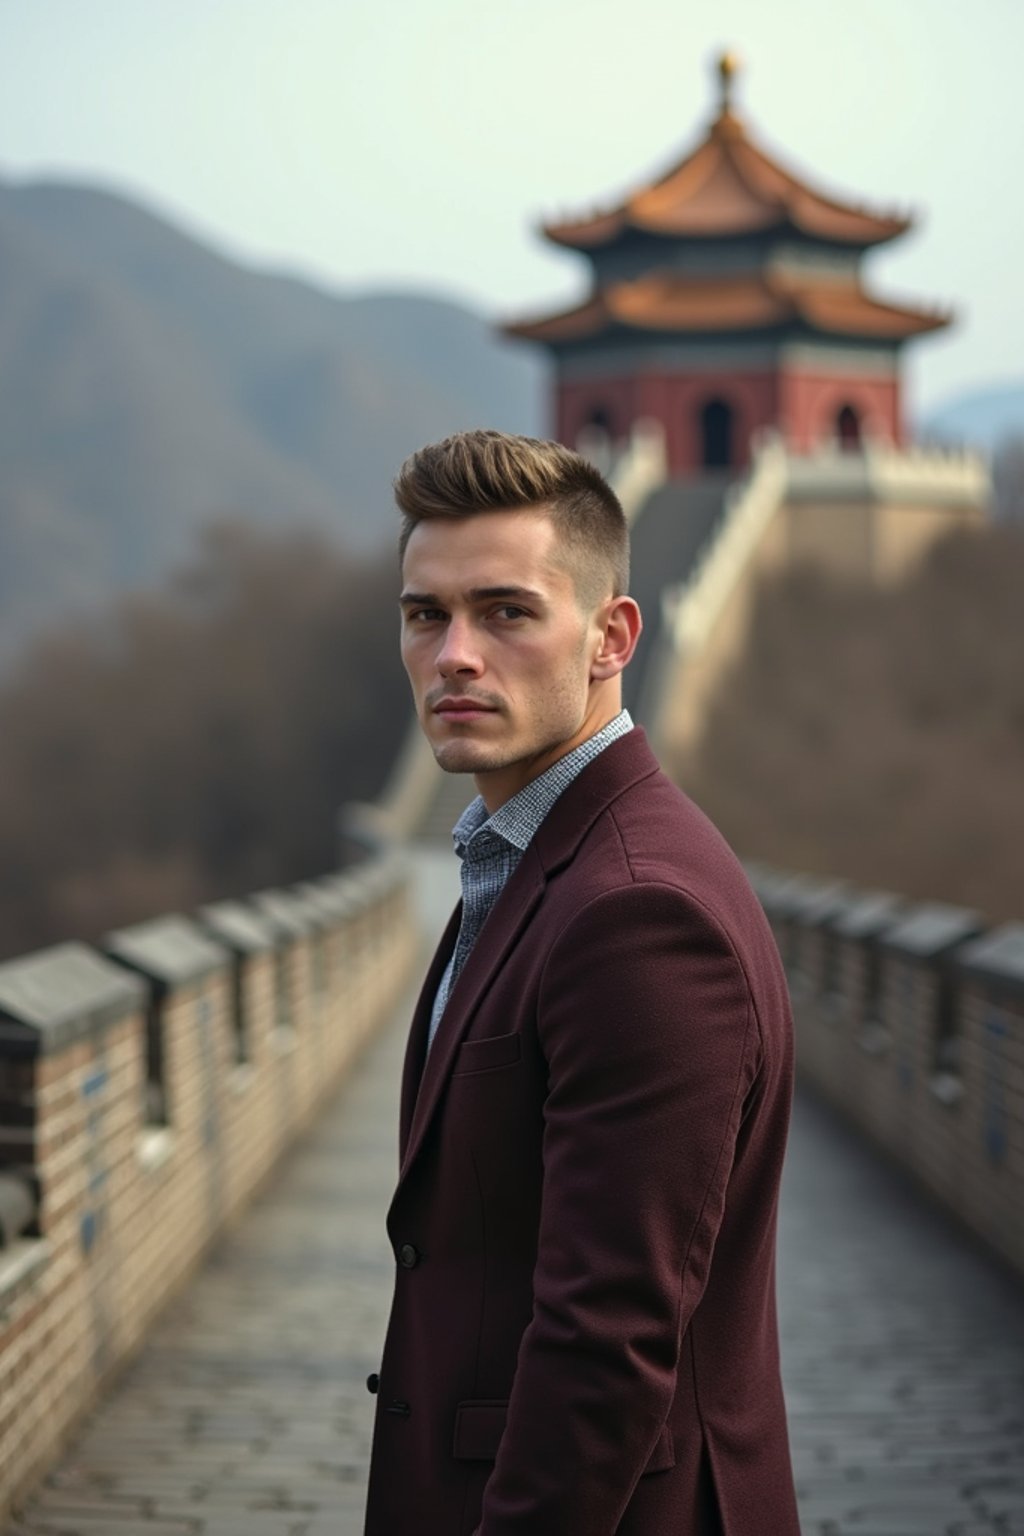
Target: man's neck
{"points": [[499, 786]]}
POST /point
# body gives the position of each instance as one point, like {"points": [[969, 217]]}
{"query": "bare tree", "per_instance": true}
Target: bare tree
{"points": [[879, 735], [198, 740]]}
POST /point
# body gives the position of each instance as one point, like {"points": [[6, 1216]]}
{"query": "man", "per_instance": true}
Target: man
{"points": [[596, 1090]]}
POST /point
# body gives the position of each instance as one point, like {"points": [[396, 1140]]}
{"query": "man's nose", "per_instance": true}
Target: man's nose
{"points": [[459, 651]]}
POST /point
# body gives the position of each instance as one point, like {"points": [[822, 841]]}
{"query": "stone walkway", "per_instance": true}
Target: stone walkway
{"points": [[247, 1415]]}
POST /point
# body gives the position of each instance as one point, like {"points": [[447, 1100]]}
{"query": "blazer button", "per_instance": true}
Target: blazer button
{"points": [[408, 1256], [400, 1409], [373, 1383]]}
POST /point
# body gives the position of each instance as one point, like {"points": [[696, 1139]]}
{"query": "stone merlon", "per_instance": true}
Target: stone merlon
{"points": [[236, 925], [53, 997], [997, 959], [171, 951], [928, 930]]}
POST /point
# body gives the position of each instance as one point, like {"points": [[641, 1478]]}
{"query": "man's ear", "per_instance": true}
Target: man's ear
{"points": [[620, 630]]}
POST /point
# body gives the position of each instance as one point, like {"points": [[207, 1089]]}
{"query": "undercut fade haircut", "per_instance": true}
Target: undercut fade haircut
{"points": [[488, 471]]}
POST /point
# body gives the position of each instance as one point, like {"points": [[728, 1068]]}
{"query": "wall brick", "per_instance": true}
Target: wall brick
{"points": [[919, 1043], [128, 1208]]}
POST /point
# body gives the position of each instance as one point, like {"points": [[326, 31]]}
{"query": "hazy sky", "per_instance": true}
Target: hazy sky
{"points": [[416, 143]]}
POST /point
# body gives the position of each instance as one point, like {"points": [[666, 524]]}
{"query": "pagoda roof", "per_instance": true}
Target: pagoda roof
{"points": [[668, 301], [728, 187]]}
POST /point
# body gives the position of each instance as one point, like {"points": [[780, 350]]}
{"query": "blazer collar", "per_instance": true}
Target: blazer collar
{"points": [[621, 765], [624, 763]]}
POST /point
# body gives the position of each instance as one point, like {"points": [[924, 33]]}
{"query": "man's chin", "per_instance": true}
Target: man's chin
{"points": [[462, 757]]}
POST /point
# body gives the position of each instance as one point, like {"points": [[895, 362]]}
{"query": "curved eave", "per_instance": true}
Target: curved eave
{"points": [[872, 318], [660, 306], [578, 324], [728, 187], [601, 233]]}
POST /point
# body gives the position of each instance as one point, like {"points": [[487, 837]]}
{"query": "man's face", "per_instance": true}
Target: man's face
{"points": [[497, 646]]}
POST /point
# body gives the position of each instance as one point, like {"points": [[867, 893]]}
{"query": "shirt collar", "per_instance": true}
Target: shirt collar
{"points": [[517, 821]]}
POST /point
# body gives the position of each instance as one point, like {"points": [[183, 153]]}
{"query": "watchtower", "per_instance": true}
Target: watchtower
{"points": [[727, 296]]}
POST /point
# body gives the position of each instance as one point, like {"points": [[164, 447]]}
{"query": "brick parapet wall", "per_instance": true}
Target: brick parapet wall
{"points": [[127, 1206], [913, 1028]]}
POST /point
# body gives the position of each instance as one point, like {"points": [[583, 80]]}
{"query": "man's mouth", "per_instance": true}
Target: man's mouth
{"points": [[462, 709]]}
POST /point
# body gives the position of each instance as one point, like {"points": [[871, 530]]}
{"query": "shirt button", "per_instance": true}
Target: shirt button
{"points": [[408, 1256]]}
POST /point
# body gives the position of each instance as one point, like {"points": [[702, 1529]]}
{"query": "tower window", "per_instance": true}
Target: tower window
{"points": [[848, 429], [716, 426]]}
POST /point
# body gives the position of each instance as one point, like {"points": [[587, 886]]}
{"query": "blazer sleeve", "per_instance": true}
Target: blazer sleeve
{"points": [[646, 1021]]}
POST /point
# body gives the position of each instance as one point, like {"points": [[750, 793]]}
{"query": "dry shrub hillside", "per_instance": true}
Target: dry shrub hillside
{"points": [[198, 741], [880, 735]]}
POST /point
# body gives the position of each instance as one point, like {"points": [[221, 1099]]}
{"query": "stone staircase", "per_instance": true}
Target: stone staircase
{"points": [[670, 534]]}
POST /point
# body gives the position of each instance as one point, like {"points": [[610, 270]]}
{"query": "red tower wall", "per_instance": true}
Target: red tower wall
{"points": [[802, 405], [809, 406], [674, 400], [678, 401]]}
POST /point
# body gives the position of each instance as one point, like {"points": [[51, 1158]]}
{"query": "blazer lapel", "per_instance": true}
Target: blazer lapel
{"points": [[618, 767], [510, 914], [419, 1030]]}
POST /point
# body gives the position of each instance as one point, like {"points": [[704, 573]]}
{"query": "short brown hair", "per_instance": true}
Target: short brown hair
{"points": [[488, 471]]}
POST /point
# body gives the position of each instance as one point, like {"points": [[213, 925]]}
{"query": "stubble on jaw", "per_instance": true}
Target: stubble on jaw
{"points": [[569, 709]]}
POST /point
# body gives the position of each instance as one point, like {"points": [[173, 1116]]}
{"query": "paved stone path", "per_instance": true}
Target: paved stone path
{"points": [[903, 1353], [247, 1415]]}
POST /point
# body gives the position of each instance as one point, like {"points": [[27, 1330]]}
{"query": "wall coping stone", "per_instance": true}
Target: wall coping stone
{"points": [[320, 914], [235, 924], [930, 929], [369, 881], [867, 914], [342, 892], [782, 897], [381, 874], [288, 915], [171, 951], [817, 904], [996, 958], [764, 880], [56, 996], [330, 903]]}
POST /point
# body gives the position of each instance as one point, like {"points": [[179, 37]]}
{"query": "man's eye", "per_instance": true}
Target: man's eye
{"points": [[510, 611], [425, 615]]}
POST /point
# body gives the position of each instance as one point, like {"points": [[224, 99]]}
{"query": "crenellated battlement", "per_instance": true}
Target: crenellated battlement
{"points": [[917, 475], [910, 1021], [147, 1089]]}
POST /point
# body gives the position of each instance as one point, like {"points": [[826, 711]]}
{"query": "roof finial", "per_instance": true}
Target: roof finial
{"points": [[728, 68]]}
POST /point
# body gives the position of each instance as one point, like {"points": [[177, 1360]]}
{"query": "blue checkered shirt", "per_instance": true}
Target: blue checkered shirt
{"points": [[490, 847]]}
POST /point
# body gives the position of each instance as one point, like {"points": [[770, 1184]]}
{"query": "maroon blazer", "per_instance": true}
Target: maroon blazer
{"points": [[583, 1334]]}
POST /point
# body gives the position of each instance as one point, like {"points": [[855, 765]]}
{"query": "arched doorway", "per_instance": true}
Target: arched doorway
{"points": [[848, 429], [716, 430], [599, 418], [596, 438]]}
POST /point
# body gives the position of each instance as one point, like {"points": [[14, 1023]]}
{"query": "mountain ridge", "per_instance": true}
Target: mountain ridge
{"points": [[152, 384], [981, 417]]}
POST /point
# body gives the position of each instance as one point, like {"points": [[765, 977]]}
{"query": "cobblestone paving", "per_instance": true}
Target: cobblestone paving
{"points": [[247, 1415], [903, 1353]]}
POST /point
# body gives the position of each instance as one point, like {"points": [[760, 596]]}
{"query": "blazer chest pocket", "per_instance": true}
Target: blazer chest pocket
{"points": [[480, 1424], [486, 1055], [479, 1427]]}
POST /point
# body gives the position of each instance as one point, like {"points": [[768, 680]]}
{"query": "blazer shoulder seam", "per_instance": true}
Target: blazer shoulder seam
{"points": [[683, 890]]}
